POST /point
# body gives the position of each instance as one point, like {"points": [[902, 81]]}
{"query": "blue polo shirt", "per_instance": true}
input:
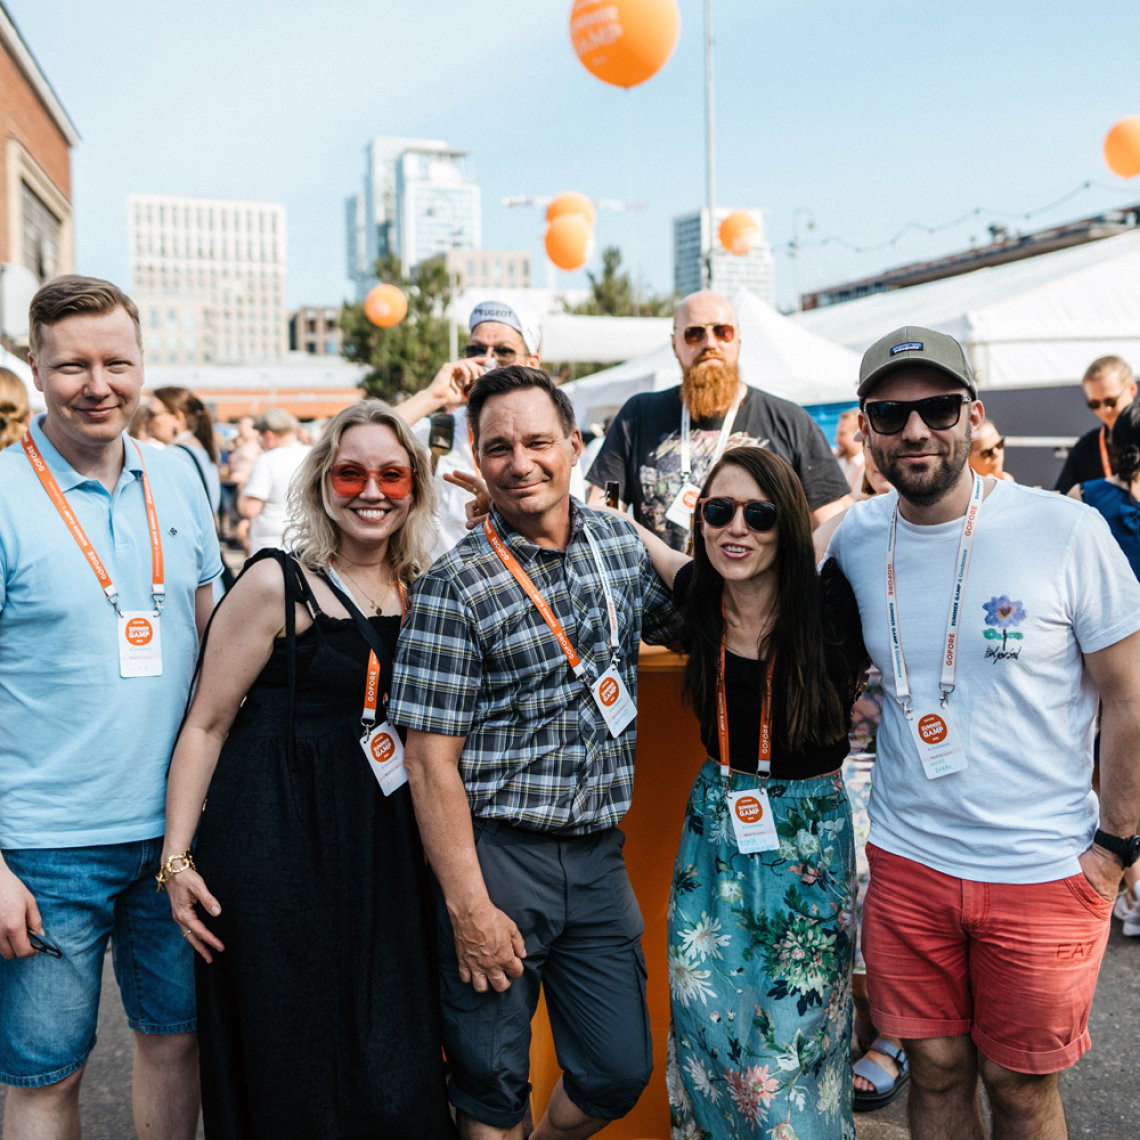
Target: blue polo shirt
{"points": [[84, 751]]}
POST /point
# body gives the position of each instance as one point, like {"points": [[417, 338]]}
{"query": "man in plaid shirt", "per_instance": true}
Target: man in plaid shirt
{"points": [[518, 779]]}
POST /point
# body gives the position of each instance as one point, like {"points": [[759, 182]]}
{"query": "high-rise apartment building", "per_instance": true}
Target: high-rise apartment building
{"points": [[754, 271], [420, 199], [208, 276]]}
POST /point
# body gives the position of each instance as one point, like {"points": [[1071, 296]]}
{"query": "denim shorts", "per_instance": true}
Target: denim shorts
{"points": [[50, 1005]]}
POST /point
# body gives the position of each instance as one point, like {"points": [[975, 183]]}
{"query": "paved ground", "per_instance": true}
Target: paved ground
{"points": [[1102, 1092]]}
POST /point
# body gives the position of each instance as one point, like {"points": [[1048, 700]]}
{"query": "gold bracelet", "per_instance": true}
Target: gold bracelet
{"points": [[168, 869]]}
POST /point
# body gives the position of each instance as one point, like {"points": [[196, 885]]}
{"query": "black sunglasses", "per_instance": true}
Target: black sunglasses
{"points": [[939, 413], [720, 511], [1107, 402], [990, 452], [42, 944], [502, 355]]}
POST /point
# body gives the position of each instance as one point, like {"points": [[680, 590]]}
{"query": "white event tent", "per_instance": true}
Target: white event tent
{"points": [[775, 355], [1028, 324]]}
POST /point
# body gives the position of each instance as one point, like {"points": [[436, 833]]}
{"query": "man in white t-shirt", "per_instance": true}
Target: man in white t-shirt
{"points": [[264, 498], [1000, 615]]}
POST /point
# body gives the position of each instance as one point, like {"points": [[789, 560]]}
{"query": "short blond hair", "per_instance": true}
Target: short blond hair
{"points": [[1105, 366], [72, 295], [13, 407], [311, 533]]}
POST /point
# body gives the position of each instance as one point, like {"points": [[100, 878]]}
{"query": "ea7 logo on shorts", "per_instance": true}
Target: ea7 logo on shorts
{"points": [[1074, 951]]}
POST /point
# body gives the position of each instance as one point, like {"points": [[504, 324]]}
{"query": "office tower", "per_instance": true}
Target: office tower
{"points": [[754, 271], [208, 275]]}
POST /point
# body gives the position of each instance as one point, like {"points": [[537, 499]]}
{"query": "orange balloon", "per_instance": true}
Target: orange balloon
{"points": [[1122, 147], [739, 232], [385, 306], [570, 241], [571, 202], [624, 42]]}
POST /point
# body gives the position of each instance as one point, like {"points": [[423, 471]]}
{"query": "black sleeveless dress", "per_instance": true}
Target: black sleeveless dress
{"points": [[320, 1019]]}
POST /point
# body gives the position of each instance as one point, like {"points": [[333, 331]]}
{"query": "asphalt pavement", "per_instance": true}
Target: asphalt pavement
{"points": [[1102, 1092]]}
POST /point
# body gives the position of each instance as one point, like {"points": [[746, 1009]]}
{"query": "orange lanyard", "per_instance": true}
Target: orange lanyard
{"points": [[372, 684], [1104, 452], [764, 762], [158, 588]]}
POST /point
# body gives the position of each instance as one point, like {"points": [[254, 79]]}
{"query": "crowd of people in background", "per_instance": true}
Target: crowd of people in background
{"points": [[379, 775]]}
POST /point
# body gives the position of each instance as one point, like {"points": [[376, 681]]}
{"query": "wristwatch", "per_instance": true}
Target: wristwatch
{"points": [[1128, 849]]}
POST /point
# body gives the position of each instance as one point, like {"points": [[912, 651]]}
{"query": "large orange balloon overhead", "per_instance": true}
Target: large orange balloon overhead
{"points": [[571, 202], [570, 241], [385, 306], [740, 232], [1122, 147], [624, 42]]}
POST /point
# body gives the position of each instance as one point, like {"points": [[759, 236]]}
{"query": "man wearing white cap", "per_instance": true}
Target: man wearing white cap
{"points": [[501, 334]]}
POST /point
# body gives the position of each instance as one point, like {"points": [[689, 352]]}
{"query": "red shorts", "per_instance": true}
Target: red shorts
{"points": [[1013, 965]]}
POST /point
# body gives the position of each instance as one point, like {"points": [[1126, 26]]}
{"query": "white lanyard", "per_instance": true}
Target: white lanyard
{"points": [[725, 432], [611, 607], [962, 569]]}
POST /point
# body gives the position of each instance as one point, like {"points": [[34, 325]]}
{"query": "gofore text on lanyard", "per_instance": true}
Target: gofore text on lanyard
{"points": [[749, 809], [933, 730], [140, 644], [381, 743], [609, 691]]}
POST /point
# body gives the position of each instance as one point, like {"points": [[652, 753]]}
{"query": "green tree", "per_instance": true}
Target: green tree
{"points": [[612, 293], [403, 359]]}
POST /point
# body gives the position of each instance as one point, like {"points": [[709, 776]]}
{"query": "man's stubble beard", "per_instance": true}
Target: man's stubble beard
{"points": [[926, 488], [709, 388]]}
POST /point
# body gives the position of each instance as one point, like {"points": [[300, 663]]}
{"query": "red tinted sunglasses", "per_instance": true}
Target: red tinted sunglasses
{"points": [[694, 334], [350, 479]]}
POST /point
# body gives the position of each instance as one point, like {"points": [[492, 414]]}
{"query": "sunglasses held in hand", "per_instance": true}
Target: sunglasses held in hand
{"points": [[350, 479], [719, 511]]}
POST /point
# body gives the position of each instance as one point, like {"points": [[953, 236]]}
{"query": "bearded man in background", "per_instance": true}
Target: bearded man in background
{"points": [[662, 444]]}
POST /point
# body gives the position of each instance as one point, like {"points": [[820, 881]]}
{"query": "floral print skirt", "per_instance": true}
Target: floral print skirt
{"points": [[760, 954]]}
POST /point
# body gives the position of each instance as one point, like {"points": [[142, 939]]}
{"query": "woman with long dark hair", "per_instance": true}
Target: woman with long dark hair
{"points": [[760, 914], [176, 418]]}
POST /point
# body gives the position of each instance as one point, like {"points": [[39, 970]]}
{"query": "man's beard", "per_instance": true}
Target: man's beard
{"points": [[924, 488], [709, 388]]}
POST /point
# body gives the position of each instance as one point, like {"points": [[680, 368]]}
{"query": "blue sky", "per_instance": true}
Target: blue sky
{"points": [[868, 115]]}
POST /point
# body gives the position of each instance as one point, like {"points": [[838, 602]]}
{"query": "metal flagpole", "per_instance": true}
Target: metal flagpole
{"points": [[710, 153]]}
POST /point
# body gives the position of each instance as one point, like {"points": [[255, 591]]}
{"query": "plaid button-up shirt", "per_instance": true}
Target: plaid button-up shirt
{"points": [[476, 659]]}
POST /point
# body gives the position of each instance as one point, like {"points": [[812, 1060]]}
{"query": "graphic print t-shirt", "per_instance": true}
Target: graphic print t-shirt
{"points": [[642, 452], [1047, 584]]}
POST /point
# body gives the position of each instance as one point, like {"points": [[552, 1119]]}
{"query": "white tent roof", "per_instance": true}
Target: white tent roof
{"points": [[775, 354], [1026, 324]]}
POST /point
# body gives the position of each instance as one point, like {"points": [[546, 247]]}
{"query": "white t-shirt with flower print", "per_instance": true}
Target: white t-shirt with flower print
{"points": [[1047, 582]]}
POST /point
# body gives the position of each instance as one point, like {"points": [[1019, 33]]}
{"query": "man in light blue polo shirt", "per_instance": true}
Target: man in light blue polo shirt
{"points": [[102, 599]]}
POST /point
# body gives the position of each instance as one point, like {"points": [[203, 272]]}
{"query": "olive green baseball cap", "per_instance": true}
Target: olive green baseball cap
{"points": [[912, 345]]}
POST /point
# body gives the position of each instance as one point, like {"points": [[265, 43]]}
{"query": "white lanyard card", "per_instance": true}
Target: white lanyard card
{"points": [[140, 644], [384, 751], [752, 822]]}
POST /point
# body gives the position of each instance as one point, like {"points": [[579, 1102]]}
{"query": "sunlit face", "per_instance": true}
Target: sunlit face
{"points": [[987, 451], [501, 345], [163, 424], [845, 436], [707, 309], [1110, 387], [371, 517], [736, 552], [922, 463], [525, 455], [89, 368]]}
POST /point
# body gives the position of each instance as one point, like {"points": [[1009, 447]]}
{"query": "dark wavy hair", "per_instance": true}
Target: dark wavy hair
{"points": [[1126, 442], [809, 704]]}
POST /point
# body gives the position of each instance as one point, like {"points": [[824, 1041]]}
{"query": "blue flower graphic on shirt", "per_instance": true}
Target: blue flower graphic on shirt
{"points": [[1002, 614]]}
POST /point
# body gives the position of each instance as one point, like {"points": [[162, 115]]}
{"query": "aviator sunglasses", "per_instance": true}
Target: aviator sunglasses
{"points": [[939, 413], [694, 334], [350, 479], [719, 511]]}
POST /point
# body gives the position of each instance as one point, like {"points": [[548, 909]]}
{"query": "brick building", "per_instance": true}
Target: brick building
{"points": [[36, 229]]}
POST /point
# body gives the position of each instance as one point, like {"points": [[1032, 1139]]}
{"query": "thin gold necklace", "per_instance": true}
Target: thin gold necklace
{"points": [[368, 597]]}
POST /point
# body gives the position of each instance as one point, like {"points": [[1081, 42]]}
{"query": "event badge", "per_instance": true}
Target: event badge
{"points": [[613, 700], [939, 748], [752, 821], [140, 644], [681, 512], [385, 751]]}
